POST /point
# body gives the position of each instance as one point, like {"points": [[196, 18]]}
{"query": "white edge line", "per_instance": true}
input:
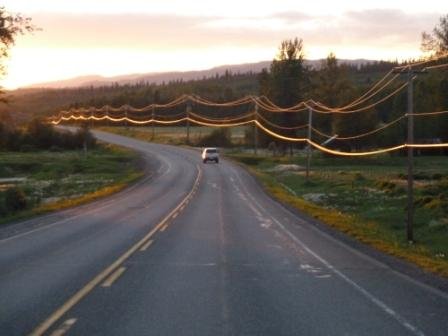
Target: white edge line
{"points": [[360, 289], [360, 254]]}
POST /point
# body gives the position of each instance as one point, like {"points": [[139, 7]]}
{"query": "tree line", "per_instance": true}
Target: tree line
{"points": [[287, 82], [38, 135]]}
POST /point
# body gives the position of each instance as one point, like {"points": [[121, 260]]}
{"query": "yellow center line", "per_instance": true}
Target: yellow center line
{"points": [[114, 276], [58, 313], [176, 214], [145, 247], [163, 228], [64, 327]]}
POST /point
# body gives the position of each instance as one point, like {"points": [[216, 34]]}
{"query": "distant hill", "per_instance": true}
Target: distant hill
{"points": [[165, 77]]}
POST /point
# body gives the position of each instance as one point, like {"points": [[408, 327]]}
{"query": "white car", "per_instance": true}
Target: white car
{"points": [[210, 154]]}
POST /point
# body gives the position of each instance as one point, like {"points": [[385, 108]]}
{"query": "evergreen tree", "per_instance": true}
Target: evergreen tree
{"points": [[332, 88]]}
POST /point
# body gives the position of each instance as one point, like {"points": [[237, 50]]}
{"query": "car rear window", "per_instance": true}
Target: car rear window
{"points": [[212, 151]]}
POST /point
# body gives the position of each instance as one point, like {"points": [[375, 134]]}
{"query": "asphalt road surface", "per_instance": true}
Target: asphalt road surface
{"points": [[199, 249]]}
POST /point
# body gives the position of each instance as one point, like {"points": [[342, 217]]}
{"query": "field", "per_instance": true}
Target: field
{"points": [[48, 181], [367, 199], [175, 135]]}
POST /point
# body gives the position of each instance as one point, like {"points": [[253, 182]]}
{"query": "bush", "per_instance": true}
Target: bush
{"points": [[3, 211], [250, 160], [437, 176], [220, 137], [359, 177], [15, 199], [386, 185], [40, 135]]}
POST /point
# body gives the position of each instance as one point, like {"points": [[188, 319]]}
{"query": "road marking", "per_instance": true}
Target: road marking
{"points": [[176, 214], [163, 228], [58, 313], [106, 204], [324, 276], [64, 327], [373, 299], [360, 254], [288, 189], [114, 276], [145, 247]]}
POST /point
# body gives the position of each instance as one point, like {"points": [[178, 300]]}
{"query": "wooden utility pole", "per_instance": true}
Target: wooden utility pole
{"points": [[152, 123], [308, 149], [126, 108], [188, 122], [91, 117], [255, 129], [410, 140], [107, 115]]}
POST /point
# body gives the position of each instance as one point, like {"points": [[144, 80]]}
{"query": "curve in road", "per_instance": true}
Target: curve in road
{"points": [[200, 250]]}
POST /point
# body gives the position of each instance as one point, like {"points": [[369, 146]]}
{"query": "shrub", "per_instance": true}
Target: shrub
{"points": [[250, 160], [359, 177], [15, 199], [39, 135], [3, 211], [218, 138]]}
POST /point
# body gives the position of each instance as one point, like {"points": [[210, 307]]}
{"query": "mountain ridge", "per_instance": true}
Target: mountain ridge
{"points": [[165, 77]]}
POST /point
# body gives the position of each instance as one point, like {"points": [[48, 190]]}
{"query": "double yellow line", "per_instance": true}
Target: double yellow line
{"points": [[56, 315]]}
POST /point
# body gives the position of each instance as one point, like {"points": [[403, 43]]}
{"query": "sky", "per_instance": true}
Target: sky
{"points": [[116, 37]]}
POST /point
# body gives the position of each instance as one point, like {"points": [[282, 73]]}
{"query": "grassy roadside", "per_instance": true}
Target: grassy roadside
{"points": [[366, 199], [49, 181]]}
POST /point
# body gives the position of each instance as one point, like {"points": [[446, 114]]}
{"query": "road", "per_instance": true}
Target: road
{"points": [[198, 249]]}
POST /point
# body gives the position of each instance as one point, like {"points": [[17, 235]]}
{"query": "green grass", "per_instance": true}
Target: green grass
{"points": [[173, 135], [366, 198], [56, 180]]}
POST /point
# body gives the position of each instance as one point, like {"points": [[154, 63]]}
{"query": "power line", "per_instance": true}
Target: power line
{"points": [[362, 135], [259, 125], [328, 111]]}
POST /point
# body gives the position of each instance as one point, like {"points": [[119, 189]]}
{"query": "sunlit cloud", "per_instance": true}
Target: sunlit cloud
{"points": [[110, 37], [229, 8]]}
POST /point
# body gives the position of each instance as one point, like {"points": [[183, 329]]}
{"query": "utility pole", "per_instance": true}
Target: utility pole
{"points": [[126, 108], [152, 123], [107, 115], [91, 117], [410, 140], [308, 149], [188, 122], [410, 221], [255, 129]]}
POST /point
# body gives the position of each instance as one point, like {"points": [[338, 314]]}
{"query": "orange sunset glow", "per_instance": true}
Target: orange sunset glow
{"points": [[111, 38]]}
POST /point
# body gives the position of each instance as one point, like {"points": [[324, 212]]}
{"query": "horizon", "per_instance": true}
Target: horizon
{"points": [[92, 76], [109, 39]]}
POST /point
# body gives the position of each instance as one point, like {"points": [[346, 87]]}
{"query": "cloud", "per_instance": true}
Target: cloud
{"points": [[385, 27], [292, 16], [368, 28]]}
